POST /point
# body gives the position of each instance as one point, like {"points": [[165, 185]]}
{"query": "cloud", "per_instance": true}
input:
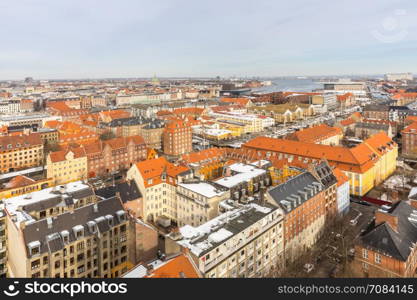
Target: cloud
{"points": [[92, 38]]}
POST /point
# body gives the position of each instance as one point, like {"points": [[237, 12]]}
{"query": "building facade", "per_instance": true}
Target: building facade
{"points": [[303, 201], [67, 233], [177, 138], [388, 248], [244, 242], [67, 166], [19, 152]]}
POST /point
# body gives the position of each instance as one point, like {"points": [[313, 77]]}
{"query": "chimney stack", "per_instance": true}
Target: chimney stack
{"points": [[382, 216]]}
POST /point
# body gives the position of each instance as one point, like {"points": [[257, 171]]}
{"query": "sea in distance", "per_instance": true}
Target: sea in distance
{"points": [[289, 84]]}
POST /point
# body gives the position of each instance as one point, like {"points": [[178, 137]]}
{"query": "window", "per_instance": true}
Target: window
{"points": [[377, 258], [365, 253]]}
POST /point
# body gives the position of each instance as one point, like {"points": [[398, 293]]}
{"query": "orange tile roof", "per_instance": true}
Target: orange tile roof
{"points": [[59, 156], [402, 95], [153, 169], [178, 267], [357, 159], [114, 114], [412, 128], [315, 134], [411, 119], [9, 142], [203, 155], [340, 176], [379, 143], [161, 113], [344, 97], [347, 122], [188, 111], [122, 142], [19, 181], [52, 124], [240, 101]]}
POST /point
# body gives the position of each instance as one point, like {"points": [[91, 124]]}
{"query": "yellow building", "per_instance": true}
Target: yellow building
{"points": [[367, 165], [251, 122], [67, 166], [21, 185], [20, 152], [284, 113]]}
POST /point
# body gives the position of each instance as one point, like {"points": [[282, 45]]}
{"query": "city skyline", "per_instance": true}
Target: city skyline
{"points": [[92, 39]]}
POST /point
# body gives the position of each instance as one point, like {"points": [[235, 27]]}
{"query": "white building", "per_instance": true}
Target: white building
{"points": [[247, 241], [10, 106], [399, 76]]}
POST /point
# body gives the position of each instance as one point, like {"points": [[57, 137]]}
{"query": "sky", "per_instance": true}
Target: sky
{"points": [[50, 39]]}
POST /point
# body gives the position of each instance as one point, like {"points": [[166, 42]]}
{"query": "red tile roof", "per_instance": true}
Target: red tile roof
{"points": [[58, 156], [315, 134], [178, 267], [19, 181], [357, 159], [153, 169]]}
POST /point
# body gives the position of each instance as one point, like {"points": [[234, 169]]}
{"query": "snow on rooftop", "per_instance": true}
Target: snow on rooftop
{"points": [[245, 173], [219, 235], [12, 204], [202, 188], [213, 231]]}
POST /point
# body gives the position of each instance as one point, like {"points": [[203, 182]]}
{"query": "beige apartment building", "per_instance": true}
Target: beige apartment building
{"points": [[152, 134], [243, 242], [253, 123], [157, 180], [66, 233], [3, 242], [198, 202], [67, 166], [20, 152]]}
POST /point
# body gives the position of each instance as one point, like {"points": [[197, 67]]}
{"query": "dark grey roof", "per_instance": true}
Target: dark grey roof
{"points": [[127, 121], [284, 193], [236, 225], [155, 123], [46, 235], [128, 191], [376, 107], [62, 198], [325, 174], [384, 239]]}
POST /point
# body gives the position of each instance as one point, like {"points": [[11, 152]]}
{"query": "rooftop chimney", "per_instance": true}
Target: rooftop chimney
{"points": [[382, 216]]}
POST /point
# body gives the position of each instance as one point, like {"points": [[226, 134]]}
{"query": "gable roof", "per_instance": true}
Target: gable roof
{"points": [[178, 267], [315, 134], [384, 239]]}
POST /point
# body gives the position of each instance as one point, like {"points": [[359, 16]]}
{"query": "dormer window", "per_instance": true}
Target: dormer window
{"points": [[110, 220], [121, 215], [65, 236], [34, 248], [78, 231], [92, 226]]}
